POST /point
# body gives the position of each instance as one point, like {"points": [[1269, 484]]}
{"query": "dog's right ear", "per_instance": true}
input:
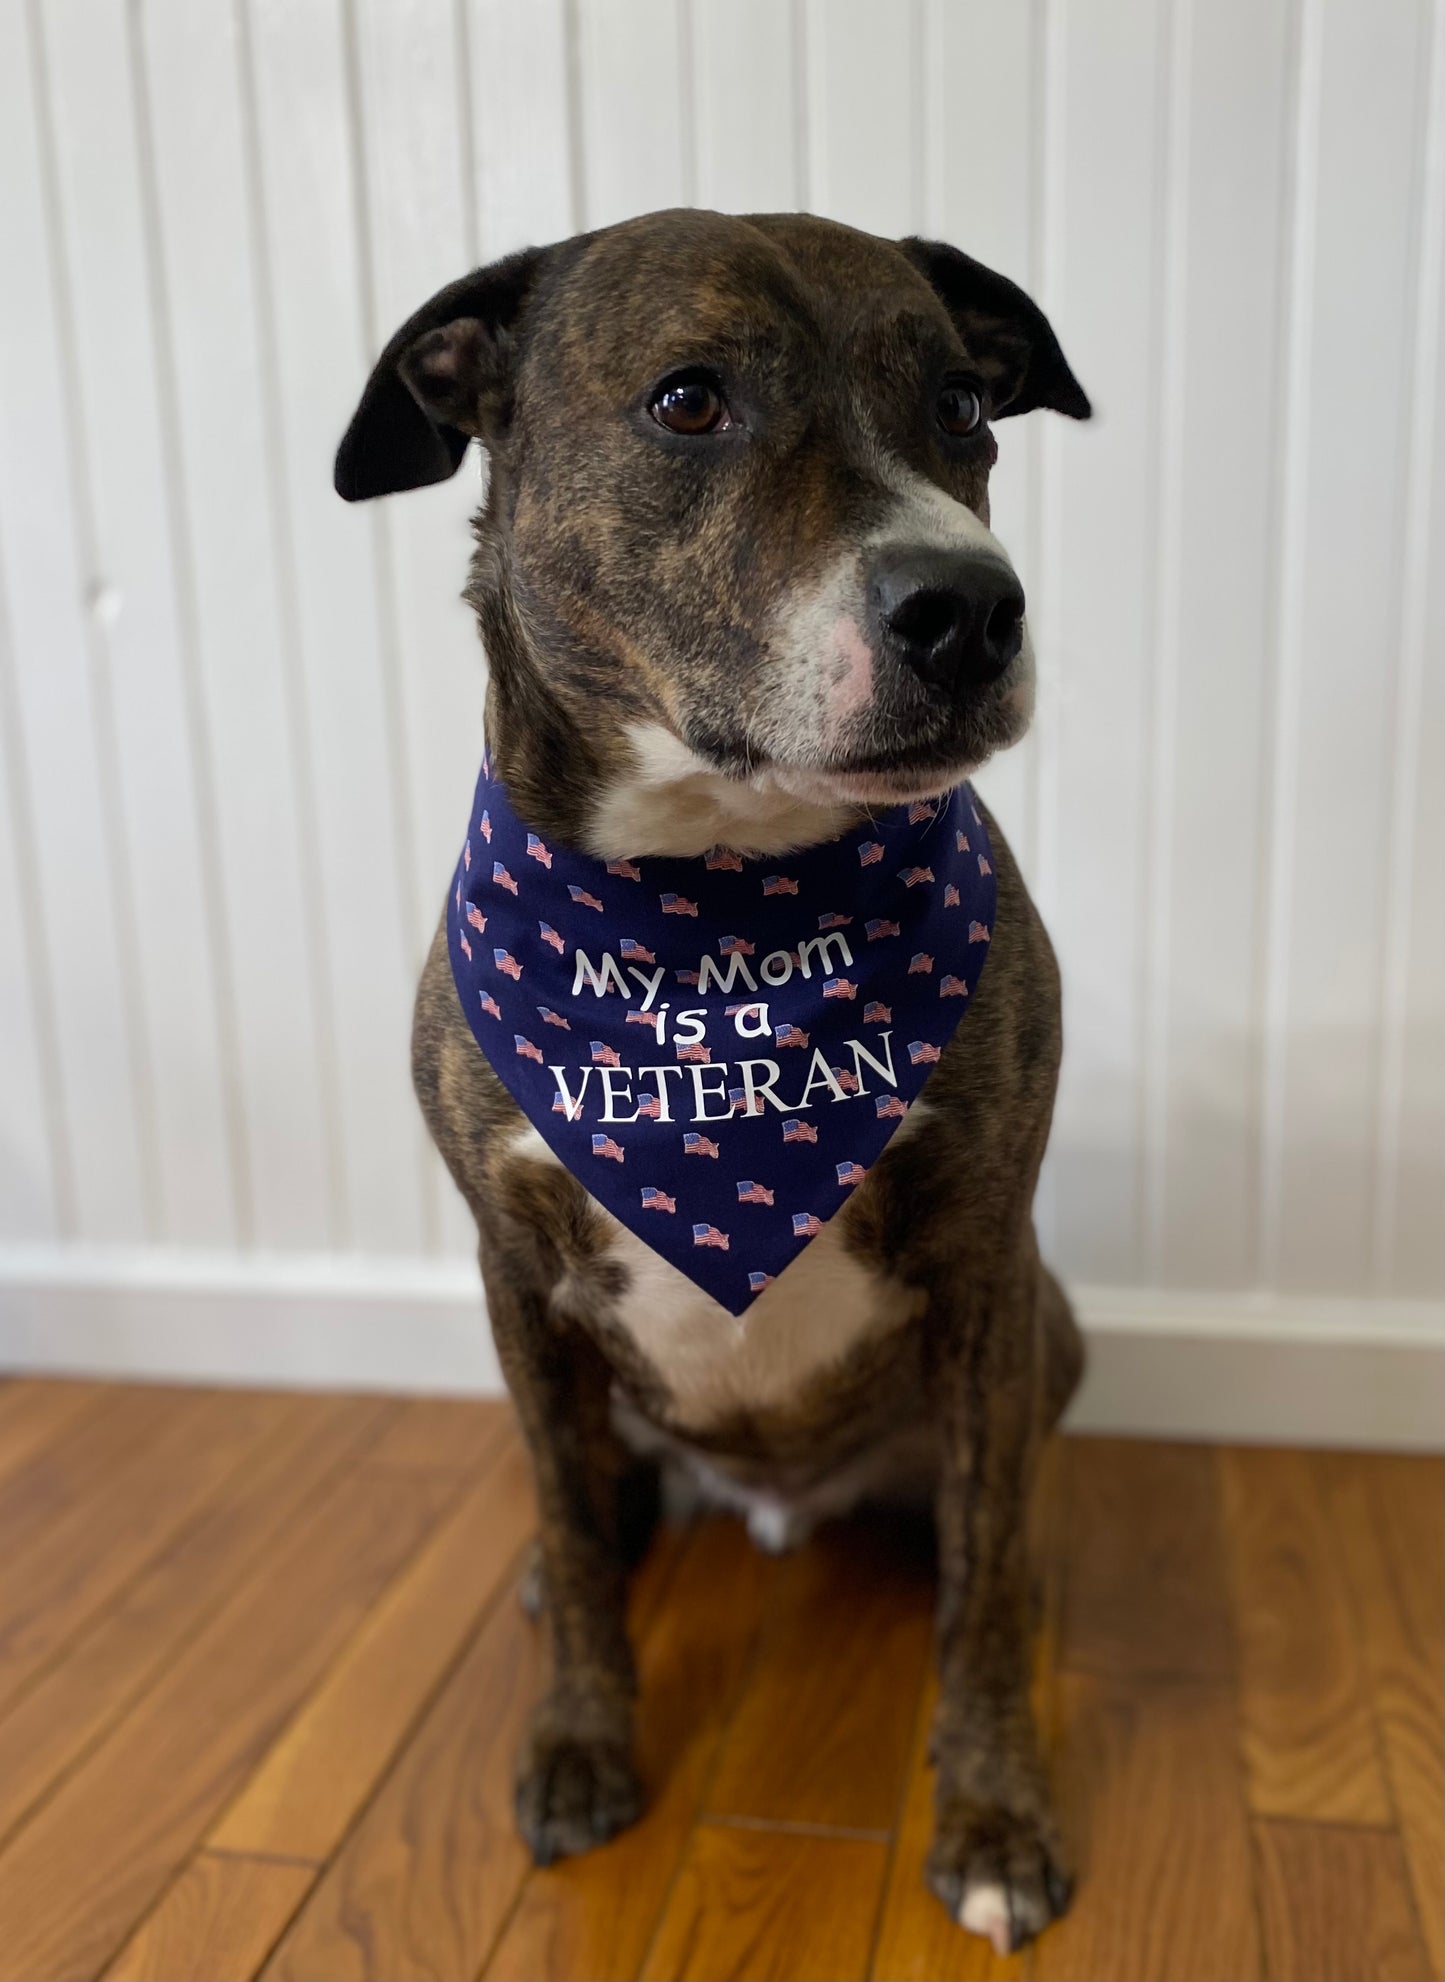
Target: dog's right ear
{"points": [[444, 378]]}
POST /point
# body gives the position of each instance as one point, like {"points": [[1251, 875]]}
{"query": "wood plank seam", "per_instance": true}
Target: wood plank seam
{"points": [[507, 1588], [895, 1832], [643, 1626], [800, 1827], [744, 1680], [327, 1483], [202, 1847], [1241, 1756], [1382, 1746]]}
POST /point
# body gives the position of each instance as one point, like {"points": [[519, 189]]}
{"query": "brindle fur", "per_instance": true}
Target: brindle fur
{"points": [[611, 587]]}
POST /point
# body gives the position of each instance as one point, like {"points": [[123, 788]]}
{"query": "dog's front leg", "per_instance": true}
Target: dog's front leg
{"points": [[995, 1861], [576, 1785]]}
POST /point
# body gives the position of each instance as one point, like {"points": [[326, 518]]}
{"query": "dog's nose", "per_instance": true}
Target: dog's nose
{"points": [[956, 618]]}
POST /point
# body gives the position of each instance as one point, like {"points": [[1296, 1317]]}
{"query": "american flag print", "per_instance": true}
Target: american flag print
{"points": [[798, 1004]]}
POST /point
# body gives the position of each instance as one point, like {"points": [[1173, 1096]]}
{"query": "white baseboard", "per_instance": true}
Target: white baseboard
{"points": [[1162, 1364]]}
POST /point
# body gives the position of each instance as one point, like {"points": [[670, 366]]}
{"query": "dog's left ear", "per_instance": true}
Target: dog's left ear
{"points": [[444, 378], [1007, 334]]}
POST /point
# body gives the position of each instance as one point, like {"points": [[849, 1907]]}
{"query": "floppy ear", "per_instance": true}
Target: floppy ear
{"points": [[1006, 332], [444, 377]]}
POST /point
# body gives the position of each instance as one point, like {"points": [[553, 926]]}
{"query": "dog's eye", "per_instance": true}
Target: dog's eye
{"points": [[960, 410], [690, 403]]}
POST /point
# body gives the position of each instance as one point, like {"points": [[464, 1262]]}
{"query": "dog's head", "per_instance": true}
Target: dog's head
{"points": [[737, 516]]}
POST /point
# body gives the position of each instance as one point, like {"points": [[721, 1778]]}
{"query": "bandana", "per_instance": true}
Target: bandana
{"points": [[720, 1047]]}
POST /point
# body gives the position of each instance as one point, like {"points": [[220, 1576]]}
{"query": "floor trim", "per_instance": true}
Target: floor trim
{"points": [[1193, 1366]]}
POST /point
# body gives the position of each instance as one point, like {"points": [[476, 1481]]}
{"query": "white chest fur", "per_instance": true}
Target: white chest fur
{"points": [[714, 1364]]}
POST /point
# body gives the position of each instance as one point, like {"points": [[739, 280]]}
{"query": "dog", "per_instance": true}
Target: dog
{"points": [[737, 590]]}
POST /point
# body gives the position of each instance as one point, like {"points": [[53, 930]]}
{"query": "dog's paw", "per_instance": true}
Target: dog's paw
{"points": [[998, 1873], [573, 1793]]}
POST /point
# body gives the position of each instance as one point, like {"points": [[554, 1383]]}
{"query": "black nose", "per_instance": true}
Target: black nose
{"points": [[956, 618]]}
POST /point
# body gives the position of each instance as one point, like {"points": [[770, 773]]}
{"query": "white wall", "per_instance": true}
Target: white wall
{"points": [[240, 720]]}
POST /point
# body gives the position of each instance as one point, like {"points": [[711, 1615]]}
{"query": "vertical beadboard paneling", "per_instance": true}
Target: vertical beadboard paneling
{"points": [[1216, 632], [634, 86], [865, 137], [243, 720], [1411, 1184], [314, 301], [744, 60], [524, 148], [1346, 627], [979, 194], [63, 728], [416, 68], [1105, 295], [34, 1171], [139, 630], [245, 632]]}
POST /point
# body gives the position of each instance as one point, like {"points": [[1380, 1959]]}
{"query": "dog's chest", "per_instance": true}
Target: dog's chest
{"points": [[714, 1365]]}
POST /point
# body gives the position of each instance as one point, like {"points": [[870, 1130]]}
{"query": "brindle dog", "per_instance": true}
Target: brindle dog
{"points": [[735, 581]]}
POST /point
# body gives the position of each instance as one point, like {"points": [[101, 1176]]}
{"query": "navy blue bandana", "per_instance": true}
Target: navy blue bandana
{"points": [[719, 1047]]}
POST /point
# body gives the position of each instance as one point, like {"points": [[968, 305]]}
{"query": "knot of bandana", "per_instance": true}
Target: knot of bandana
{"points": [[719, 1047]]}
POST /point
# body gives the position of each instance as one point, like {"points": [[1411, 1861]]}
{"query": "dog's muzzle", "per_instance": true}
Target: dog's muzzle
{"points": [[955, 619]]}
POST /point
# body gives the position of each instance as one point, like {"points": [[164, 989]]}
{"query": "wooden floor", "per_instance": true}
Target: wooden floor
{"points": [[262, 1674]]}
